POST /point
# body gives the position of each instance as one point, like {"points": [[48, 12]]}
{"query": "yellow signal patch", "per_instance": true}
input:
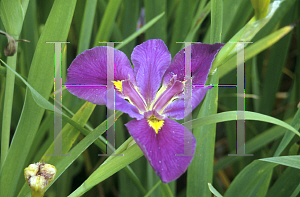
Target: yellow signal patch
{"points": [[118, 85], [155, 123]]}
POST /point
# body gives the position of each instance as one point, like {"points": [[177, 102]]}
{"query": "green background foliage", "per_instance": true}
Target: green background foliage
{"points": [[272, 96]]}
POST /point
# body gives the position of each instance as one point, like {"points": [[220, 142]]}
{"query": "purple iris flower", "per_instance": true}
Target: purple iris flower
{"points": [[150, 92]]}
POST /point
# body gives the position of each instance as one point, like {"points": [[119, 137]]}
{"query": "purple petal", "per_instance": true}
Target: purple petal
{"points": [[175, 109], [160, 149], [93, 94], [124, 106], [174, 88], [87, 74], [131, 93], [150, 60], [202, 57]]}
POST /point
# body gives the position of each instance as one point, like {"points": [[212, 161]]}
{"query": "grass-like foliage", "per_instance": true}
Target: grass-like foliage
{"points": [[271, 97]]}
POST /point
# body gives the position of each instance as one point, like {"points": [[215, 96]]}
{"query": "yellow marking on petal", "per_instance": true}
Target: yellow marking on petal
{"points": [[158, 94], [155, 123], [118, 85], [170, 101]]}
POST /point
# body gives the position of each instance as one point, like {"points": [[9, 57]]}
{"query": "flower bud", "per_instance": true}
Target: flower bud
{"points": [[48, 171], [260, 7], [37, 185], [38, 177], [30, 171]]}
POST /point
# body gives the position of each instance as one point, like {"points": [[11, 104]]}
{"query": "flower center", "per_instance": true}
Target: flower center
{"points": [[154, 112]]}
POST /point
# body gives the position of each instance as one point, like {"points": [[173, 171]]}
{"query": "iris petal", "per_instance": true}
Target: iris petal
{"points": [[176, 108], [150, 60], [161, 149], [123, 105], [87, 74], [133, 95], [202, 58], [174, 88]]}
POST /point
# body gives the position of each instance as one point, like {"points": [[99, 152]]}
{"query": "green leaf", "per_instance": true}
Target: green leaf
{"points": [[231, 115], [182, 22], [45, 104], [255, 49], [235, 15], [291, 161], [200, 16], [112, 165], [126, 187], [277, 60], [12, 16], [253, 180], [200, 171], [255, 26], [75, 152], [56, 28], [107, 22], [128, 25], [213, 190], [276, 19], [89, 139], [288, 136], [86, 26], [24, 6], [286, 183], [7, 109], [29, 32], [296, 192], [38, 98], [245, 34], [69, 134], [129, 172], [152, 9], [216, 21], [17, 80], [152, 179], [166, 191], [254, 144], [140, 31], [153, 188], [255, 82], [36, 152]]}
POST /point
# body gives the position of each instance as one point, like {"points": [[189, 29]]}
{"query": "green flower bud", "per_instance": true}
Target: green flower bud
{"points": [[38, 177], [261, 8]]}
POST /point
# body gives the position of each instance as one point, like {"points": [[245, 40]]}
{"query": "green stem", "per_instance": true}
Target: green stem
{"points": [[7, 109]]}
